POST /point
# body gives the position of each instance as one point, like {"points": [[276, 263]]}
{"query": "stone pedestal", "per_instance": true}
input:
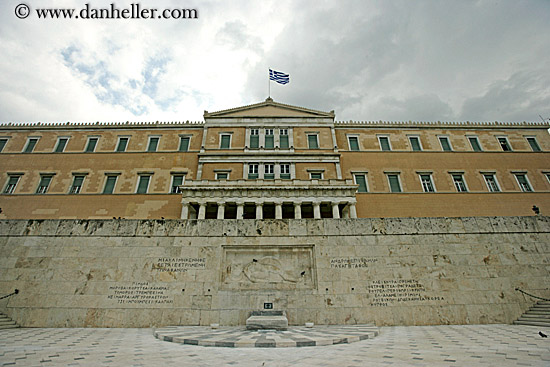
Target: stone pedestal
{"points": [[274, 320]]}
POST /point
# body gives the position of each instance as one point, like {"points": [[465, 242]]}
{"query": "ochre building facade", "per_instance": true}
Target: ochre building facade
{"points": [[272, 160]]}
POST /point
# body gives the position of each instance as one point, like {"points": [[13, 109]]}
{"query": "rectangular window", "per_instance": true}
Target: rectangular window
{"points": [[143, 184], [283, 138], [313, 141], [45, 181], [384, 143], [110, 183], [534, 144], [285, 171], [445, 143], [122, 144], [61, 144], [177, 181], [427, 184], [395, 185], [254, 138], [31, 142], [12, 184], [316, 175], [474, 142], [222, 176], [153, 144], [523, 182], [504, 144], [491, 182], [459, 182], [225, 141], [184, 143], [269, 171], [353, 143], [269, 139], [3, 142], [361, 180], [78, 180], [90, 147], [252, 171], [415, 143]]}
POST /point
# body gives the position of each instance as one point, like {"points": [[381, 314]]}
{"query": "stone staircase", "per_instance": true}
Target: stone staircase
{"points": [[537, 315], [6, 322]]}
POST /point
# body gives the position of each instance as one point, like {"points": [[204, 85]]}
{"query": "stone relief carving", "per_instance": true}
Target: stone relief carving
{"points": [[268, 267]]}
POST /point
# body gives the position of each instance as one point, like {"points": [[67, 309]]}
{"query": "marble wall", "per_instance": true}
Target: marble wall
{"points": [[398, 271]]}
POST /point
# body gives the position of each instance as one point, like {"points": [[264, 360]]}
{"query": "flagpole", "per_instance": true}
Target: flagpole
{"points": [[268, 86]]}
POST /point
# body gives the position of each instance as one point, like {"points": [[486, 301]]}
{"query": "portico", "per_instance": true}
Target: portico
{"points": [[268, 199]]}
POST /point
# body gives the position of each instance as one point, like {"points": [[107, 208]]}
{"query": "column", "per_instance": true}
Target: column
{"points": [[221, 210], [352, 211], [202, 211], [335, 211], [298, 210], [259, 211], [240, 210], [278, 210], [316, 210], [185, 211]]}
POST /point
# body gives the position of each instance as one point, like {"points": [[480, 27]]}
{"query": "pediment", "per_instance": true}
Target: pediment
{"points": [[268, 108]]}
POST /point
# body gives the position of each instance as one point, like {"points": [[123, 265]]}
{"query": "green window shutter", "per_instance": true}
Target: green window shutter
{"points": [[226, 140], [353, 143], [143, 184], [384, 143], [394, 183], [153, 144], [3, 144], [254, 141], [532, 142], [221, 176], [362, 182], [77, 184], [445, 144], [122, 143], [316, 176], [110, 185], [283, 141], [92, 142], [475, 144], [269, 141], [312, 142], [415, 144], [61, 143], [184, 144], [30, 145]]}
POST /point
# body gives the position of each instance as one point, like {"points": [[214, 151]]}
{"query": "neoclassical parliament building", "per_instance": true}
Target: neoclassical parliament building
{"points": [[273, 160]]}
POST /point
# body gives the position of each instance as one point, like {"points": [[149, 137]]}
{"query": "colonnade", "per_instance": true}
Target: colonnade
{"points": [[348, 212]]}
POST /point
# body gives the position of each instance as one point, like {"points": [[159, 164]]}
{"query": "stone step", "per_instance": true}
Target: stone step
{"points": [[537, 312], [532, 323], [533, 319], [542, 316], [6, 322], [541, 307]]}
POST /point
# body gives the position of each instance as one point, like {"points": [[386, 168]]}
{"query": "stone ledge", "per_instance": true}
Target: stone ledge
{"points": [[272, 227]]}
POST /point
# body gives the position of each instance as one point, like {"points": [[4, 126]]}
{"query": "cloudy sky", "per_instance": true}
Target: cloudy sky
{"points": [[417, 60]]}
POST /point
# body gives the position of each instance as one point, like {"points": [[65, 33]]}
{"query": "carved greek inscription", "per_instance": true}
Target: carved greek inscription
{"points": [[351, 262], [388, 292], [140, 293], [179, 264]]}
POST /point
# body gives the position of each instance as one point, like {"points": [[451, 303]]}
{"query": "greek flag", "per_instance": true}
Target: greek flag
{"points": [[278, 77]]}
